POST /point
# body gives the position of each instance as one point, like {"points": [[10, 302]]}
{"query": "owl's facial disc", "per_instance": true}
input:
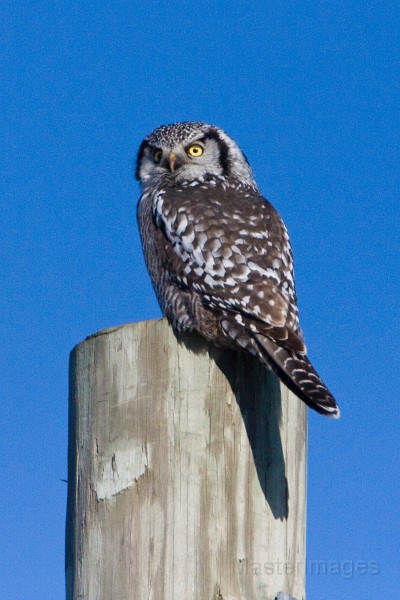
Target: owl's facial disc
{"points": [[180, 161], [190, 152], [181, 157]]}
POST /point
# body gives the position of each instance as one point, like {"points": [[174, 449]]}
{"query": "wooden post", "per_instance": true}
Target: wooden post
{"points": [[187, 472]]}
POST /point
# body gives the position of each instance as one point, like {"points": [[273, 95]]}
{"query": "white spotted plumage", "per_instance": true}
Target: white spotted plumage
{"points": [[219, 254]]}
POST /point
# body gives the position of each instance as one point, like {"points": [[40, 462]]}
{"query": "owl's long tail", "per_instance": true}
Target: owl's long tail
{"points": [[298, 374]]}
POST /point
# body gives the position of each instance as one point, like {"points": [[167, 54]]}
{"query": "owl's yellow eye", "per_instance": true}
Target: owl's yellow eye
{"points": [[195, 150], [157, 156]]}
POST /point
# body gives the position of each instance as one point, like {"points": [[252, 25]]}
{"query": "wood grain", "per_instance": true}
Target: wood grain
{"points": [[187, 472]]}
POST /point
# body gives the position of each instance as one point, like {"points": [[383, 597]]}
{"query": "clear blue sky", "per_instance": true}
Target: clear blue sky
{"points": [[310, 90]]}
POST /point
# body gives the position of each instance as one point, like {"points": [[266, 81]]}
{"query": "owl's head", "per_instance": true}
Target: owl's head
{"points": [[191, 151]]}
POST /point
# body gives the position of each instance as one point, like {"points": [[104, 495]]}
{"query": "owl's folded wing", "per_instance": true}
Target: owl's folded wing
{"points": [[239, 263]]}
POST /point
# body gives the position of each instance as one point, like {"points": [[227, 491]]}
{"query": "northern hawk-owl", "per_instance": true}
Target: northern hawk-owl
{"points": [[219, 254]]}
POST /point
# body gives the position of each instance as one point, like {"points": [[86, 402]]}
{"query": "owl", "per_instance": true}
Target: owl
{"points": [[219, 254]]}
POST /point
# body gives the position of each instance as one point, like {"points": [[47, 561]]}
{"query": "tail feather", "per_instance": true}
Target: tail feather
{"points": [[298, 374]]}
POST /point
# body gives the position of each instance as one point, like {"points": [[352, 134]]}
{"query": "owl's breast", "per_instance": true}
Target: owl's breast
{"points": [[179, 304]]}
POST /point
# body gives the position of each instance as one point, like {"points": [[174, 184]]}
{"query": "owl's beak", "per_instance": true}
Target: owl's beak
{"points": [[171, 161]]}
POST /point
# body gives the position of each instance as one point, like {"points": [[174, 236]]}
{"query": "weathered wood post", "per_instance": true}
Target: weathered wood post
{"points": [[187, 472]]}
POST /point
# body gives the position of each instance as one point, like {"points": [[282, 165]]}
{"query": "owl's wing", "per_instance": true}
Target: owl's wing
{"points": [[230, 248], [234, 252]]}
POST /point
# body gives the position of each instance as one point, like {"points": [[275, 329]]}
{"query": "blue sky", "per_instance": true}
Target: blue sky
{"points": [[310, 90]]}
